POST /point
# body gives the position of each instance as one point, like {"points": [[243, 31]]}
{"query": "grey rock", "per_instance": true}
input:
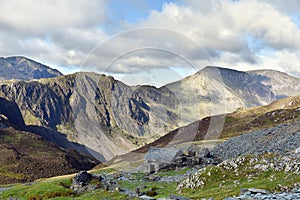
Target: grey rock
{"points": [[246, 198], [284, 139], [5, 189], [82, 177], [174, 197], [145, 197], [259, 194], [258, 191]]}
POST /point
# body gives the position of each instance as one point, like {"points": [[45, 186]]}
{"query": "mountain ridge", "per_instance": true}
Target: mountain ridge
{"points": [[282, 84], [22, 68], [112, 118]]}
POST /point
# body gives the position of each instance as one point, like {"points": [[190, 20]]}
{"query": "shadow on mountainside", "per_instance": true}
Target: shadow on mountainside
{"points": [[13, 114], [61, 140]]}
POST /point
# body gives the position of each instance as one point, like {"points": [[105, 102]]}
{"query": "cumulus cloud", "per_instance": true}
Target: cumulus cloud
{"points": [[154, 47], [244, 34], [225, 26], [42, 17], [54, 31]]}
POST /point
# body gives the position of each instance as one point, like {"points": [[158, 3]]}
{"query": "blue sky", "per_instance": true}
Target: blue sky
{"points": [[114, 37], [132, 11]]}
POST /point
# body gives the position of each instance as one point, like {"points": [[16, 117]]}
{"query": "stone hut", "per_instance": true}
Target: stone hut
{"points": [[193, 151], [157, 159], [160, 158]]}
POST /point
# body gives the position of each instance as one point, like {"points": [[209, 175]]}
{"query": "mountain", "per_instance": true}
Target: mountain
{"points": [[281, 84], [91, 109], [216, 90], [22, 68], [220, 127], [111, 118]]}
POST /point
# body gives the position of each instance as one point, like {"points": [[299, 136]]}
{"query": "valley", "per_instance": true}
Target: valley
{"points": [[53, 126]]}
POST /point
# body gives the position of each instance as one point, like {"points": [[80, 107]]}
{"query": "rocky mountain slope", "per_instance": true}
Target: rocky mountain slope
{"points": [[281, 84], [283, 111], [267, 158], [252, 176], [111, 118], [95, 110], [272, 172], [215, 90], [278, 139], [22, 68]]}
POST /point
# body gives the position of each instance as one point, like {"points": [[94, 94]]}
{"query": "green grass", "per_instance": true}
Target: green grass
{"points": [[173, 172], [108, 170], [57, 190], [43, 190], [162, 189], [29, 118], [219, 183], [263, 181]]}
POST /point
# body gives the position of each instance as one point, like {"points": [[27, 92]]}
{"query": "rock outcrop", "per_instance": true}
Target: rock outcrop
{"points": [[249, 166]]}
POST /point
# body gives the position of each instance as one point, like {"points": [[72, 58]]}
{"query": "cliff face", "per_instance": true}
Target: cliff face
{"points": [[111, 118], [11, 114], [105, 115]]}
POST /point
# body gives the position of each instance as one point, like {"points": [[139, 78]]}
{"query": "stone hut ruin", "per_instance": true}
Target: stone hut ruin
{"points": [[157, 159]]}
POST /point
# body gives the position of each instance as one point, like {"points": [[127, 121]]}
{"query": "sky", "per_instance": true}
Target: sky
{"points": [[153, 41]]}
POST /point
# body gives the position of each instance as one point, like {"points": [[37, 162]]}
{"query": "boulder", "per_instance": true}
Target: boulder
{"points": [[145, 197], [82, 177], [255, 191]]}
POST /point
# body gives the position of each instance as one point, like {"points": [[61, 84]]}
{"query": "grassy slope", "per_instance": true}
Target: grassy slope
{"points": [[219, 183], [26, 157], [222, 181]]}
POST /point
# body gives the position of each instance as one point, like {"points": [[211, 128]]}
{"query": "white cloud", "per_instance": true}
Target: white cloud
{"points": [[54, 31], [42, 17], [191, 33], [225, 26]]}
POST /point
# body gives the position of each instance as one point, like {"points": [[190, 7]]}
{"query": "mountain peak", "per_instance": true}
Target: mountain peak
{"points": [[217, 68], [22, 68]]}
